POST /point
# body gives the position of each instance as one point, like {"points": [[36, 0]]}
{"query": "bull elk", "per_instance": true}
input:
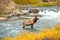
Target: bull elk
{"points": [[30, 22]]}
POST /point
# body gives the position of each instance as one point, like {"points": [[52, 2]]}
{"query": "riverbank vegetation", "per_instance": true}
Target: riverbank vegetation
{"points": [[1, 13], [33, 3], [45, 34], [44, 4]]}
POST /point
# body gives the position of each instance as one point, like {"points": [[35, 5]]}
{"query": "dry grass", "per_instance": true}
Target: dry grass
{"points": [[45, 34], [34, 3]]}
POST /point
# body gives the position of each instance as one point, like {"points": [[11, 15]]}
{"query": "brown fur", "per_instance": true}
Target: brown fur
{"points": [[30, 22]]}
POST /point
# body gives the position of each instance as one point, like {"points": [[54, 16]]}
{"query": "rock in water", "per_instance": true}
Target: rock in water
{"points": [[3, 18]]}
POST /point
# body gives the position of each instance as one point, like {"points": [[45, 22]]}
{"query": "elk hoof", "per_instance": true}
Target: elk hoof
{"points": [[22, 27]]}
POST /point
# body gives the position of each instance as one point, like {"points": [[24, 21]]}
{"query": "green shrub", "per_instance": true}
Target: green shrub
{"points": [[1, 12], [1, 38]]}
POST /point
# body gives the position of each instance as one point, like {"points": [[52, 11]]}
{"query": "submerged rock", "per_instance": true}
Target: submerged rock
{"points": [[3, 18]]}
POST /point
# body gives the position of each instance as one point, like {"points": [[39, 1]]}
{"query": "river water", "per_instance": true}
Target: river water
{"points": [[14, 27]]}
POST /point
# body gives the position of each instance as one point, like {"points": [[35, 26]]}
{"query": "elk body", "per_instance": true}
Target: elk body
{"points": [[30, 22]]}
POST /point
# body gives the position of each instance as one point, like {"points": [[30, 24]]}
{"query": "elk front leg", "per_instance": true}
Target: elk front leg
{"points": [[23, 26], [31, 26]]}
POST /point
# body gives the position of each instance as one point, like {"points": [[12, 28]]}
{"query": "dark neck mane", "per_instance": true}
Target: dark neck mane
{"points": [[35, 20]]}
